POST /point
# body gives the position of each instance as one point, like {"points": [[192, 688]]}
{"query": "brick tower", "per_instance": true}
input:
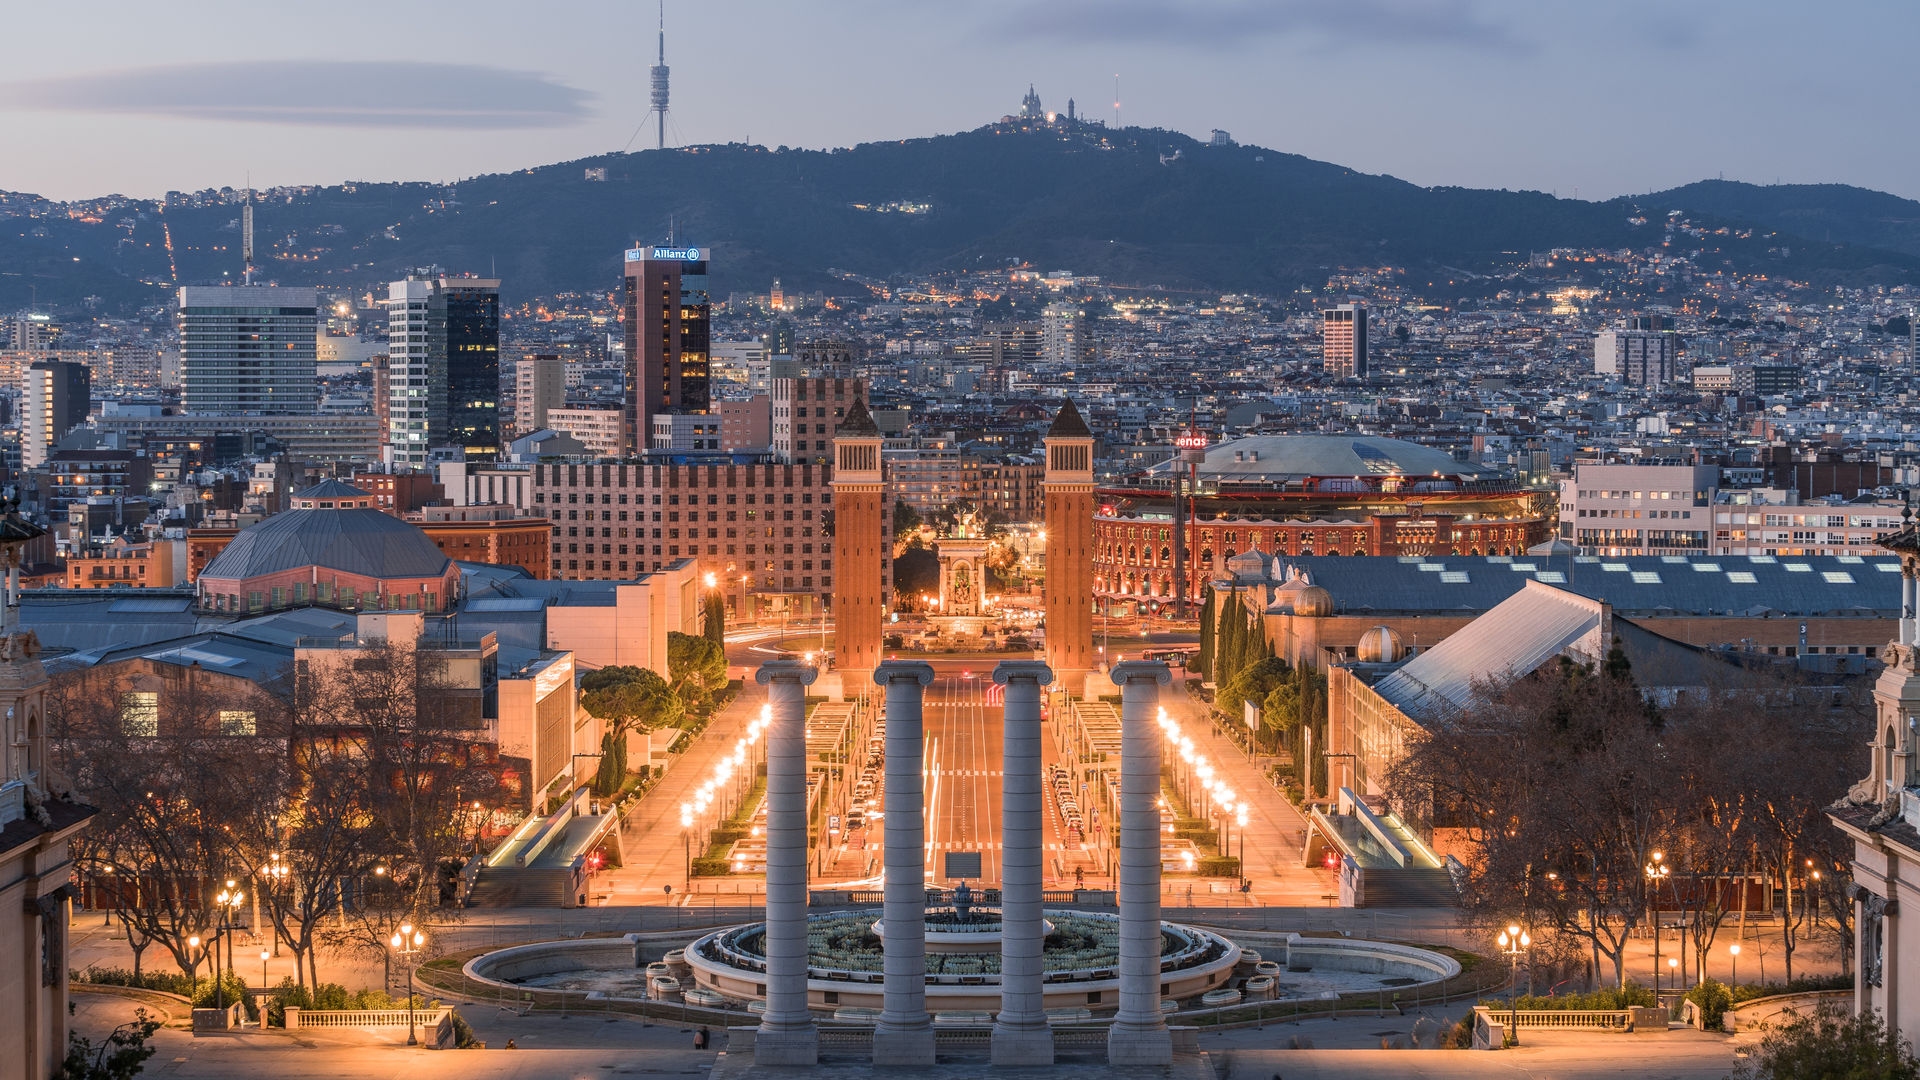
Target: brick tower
{"points": [[1069, 518], [859, 543]]}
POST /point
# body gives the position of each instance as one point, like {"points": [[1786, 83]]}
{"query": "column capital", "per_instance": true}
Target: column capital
{"points": [[1141, 671], [1008, 670], [789, 670], [893, 671]]}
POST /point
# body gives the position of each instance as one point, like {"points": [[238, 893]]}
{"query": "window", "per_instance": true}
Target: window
{"points": [[140, 713], [237, 722]]}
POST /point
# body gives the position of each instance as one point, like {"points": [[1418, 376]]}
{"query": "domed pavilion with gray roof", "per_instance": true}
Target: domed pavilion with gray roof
{"points": [[333, 549]]}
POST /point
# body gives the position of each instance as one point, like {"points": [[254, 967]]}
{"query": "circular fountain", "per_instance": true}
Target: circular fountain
{"points": [[845, 962]]}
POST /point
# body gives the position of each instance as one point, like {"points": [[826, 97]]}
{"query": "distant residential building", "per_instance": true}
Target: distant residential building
{"points": [[1763, 380], [826, 358], [1639, 509], [806, 413], [443, 380], [1062, 334], [122, 565], [741, 362], [29, 333], [248, 349], [668, 337], [56, 399], [686, 431], [540, 384], [1642, 354], [746, 425], [603, 431], [1343, 341]]}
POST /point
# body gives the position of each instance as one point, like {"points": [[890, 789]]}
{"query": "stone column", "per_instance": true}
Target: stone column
{"points": [[787, 1035], [1020, 1034], [1139, 1034], [904, 1034]]}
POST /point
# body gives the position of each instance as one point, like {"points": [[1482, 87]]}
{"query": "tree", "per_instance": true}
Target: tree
{"points": [[1226, 647], [631, 699], [915, 572], [119, 1057], [1253, 683], [713, 622], [905, 519], [698, 666], [413, 734], [1829, 1043], [1209, 611], [170, 791]]}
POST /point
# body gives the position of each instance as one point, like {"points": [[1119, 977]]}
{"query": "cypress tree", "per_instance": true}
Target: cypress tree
{"points": [[1208, 611], [1233, 627]]}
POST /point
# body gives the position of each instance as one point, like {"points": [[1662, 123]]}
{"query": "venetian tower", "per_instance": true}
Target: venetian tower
{"points": [[1068, 592], [859, 536]]}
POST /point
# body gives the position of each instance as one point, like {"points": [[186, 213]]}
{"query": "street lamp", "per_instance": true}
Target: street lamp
{"points": [[229, 903], [686, 844], [1513, 941], [1735, 950], [1657, 871], [193, 961], [1240, 819], [407, 943], [264, 957]]}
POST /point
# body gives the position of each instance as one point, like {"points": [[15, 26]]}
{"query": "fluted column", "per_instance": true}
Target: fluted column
{"points": [[1139, 1034], [904, 1034], [1020, 1033], [787, 1035]]}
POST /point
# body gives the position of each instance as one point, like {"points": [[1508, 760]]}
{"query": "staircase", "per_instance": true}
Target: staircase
{"points": [[498, 887], [1412, 887]]}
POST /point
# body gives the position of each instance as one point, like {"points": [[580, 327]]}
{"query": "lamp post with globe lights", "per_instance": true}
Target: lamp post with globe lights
{"points": [[1657, 872], [1514, 941], [407, 943], [229, 900], [1734, 951]]}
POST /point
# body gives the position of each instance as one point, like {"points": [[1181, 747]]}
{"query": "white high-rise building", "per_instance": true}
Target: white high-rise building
{"points": [[248, 349], [1062, 335], [416, 370]]}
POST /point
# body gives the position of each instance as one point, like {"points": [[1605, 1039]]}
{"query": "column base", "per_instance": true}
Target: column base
{"points": [[912, 1047], [1019, 1047], [1139, 1046], [792, 1046]]}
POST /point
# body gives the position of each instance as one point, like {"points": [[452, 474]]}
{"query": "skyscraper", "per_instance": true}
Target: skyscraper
{"points": [[248, 349], [1343, 341], [443, 377], [473, 364], [57, 399], [668, 321]]}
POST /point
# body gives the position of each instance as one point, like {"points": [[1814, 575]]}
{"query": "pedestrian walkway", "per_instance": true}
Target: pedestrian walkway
{"points": [[657, 849], [1275, 831]]}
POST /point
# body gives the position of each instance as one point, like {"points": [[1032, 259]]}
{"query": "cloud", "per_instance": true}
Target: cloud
{"points": [[372, 93], [1340, 24]]}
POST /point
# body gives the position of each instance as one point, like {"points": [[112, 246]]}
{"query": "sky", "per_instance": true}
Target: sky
{"points": [[1593, 99]]}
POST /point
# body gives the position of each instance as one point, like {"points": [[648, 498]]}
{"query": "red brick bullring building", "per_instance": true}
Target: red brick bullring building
{"points": [[1304, 495], [333, 549]]}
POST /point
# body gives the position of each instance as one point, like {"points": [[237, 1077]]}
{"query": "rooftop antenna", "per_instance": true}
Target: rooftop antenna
{"points": [[246, 233]]}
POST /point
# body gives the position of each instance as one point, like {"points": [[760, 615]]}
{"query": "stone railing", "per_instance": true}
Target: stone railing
{"points": [[1760, 1012], [435, 1025], [1492, 1024]]}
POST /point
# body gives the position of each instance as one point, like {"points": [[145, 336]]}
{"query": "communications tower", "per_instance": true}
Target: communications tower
{"points": [[659, 76], [246, 236]]}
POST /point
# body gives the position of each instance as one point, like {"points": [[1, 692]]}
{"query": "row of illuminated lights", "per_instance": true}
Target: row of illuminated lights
{"points": [[1222, 796], [724, 769]]}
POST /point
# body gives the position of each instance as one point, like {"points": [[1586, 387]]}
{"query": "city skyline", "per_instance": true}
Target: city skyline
{"points": [[1445, 93]]}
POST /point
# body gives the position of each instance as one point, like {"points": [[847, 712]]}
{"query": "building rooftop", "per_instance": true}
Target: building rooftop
{"points": [[1277, 459], [360, 541]]}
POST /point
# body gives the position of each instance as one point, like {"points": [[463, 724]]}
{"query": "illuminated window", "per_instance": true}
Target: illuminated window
{"points": [[140, 713], [237, 722]]}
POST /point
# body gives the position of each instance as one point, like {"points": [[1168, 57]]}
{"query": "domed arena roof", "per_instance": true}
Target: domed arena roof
{"points": [[1280, 458], [357, 541]]}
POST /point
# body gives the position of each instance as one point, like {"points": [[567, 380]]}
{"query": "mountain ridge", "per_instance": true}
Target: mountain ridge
{"points": [[1136, 206]]}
